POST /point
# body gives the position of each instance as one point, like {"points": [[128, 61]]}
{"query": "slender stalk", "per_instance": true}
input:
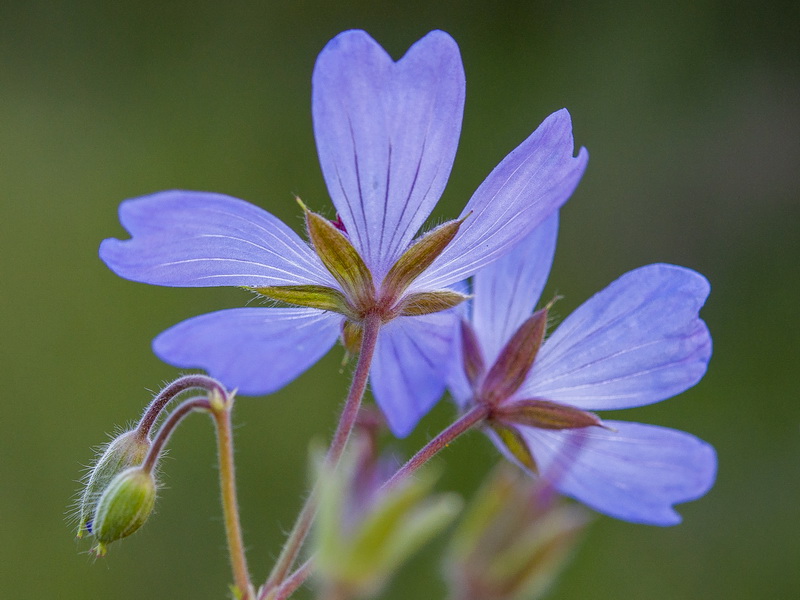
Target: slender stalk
{"points": [[347, 420], [458, 427], [294, 581], [166, 395], [465, 422], [163, 435], [221, 411]]}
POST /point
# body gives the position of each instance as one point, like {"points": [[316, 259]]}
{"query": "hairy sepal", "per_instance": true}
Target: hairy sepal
{"points": [[419, 257], [544, 414], [515, 360], [425, 303], [340, 258], [311, 296]]}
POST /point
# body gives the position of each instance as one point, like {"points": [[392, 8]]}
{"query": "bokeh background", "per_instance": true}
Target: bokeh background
{"points": [[690, 111]]}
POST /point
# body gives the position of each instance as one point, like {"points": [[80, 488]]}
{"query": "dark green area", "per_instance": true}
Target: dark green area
{"points": [[691, 115]]}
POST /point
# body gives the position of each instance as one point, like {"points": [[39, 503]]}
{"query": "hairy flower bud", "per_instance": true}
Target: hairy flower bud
{"points": [[126, 450], [124, 506]]}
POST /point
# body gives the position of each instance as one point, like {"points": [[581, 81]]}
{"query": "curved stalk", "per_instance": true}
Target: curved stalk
{"points": [[347, 420]]}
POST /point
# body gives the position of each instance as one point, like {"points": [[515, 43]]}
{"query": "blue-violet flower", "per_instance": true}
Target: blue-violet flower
{"points": [[386, 133], [637, 342]]}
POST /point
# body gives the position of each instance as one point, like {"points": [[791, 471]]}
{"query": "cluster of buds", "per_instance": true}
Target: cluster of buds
{"points": [[366, 529], [514, 540], [120, 491]]}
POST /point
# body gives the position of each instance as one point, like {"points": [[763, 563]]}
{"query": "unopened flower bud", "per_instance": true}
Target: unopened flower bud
{"points": [[124, 506], [364, 532], [514, 540], [126, 450]]}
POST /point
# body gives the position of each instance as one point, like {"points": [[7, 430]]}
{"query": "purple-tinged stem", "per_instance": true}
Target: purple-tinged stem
{"points": [[468, 420], [163, 435], [294, 581], [371, 327], [465, 422], [221, 411], [166, 395]]}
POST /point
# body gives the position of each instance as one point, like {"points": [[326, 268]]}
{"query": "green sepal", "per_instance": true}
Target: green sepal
{"points": [[515, 444], [312, 296], [545, 414], [419, 257], [424, 303], [125, 505], [515, 360], [352, 333], [340, 258]]}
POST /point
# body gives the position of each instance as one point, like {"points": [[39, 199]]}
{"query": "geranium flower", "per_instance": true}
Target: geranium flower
{"points": [[637, 342], [386, 134]]}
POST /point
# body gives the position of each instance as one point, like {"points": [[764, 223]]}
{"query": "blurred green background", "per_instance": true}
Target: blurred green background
{"points": [[691, 114]]}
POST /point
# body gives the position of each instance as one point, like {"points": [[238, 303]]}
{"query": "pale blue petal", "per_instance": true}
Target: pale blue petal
{"points": [[636, 342], [507, 291], [525, 189], [410, 367], [200, 239], [634, 472], [386, 135], [254, 350]]}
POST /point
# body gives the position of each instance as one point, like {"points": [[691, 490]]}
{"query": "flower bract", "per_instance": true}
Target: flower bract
{"points": [[386, 134]]}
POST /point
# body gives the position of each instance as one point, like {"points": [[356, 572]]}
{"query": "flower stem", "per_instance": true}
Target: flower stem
{"points": [[465, 422], [221, 411], [291, 583], [163, 435], [166, 395], [294, 542], [468, 420]]}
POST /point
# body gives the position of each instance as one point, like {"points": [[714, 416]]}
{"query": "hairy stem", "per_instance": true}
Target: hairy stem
{"points": [[221, 411], [291, 583], [163, 435], [169, 393], [347, 420], [464, 423]]}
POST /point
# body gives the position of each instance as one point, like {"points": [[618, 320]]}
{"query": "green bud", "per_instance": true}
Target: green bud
{"points": [[126, 450], [365, 533], [124, 506]]}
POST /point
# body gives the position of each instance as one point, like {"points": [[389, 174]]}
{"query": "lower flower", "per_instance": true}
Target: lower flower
{"points": [[637, 342]]}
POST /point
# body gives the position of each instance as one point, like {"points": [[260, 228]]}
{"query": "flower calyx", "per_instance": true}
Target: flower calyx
{"points": [[358, 295]]}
